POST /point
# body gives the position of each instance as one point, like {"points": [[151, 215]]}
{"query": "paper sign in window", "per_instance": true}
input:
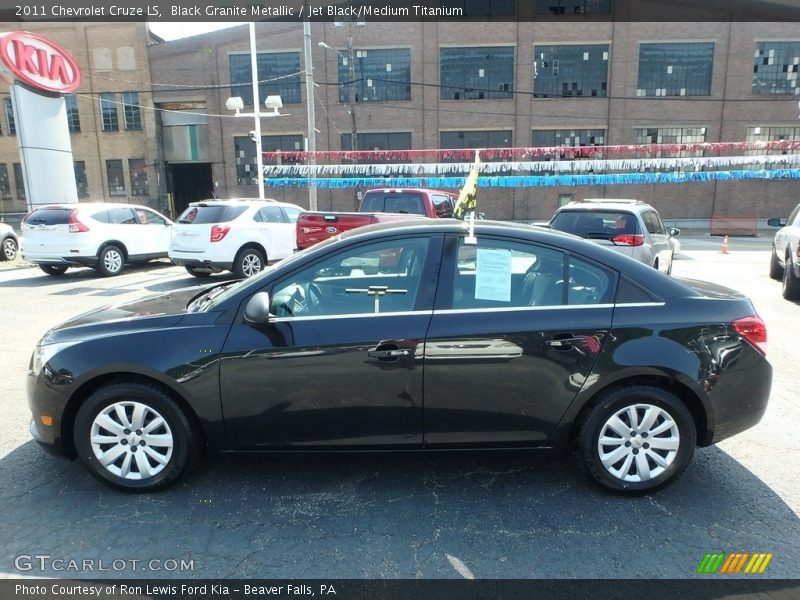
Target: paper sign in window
{"points": [[493, 275]]}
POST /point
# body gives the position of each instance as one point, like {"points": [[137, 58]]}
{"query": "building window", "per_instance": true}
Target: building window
{"points": [[682, 69], [5, 184], [380, 75], [12, 124], [395, 140], [108, 111], [772, 134], [571, 138], [572, 7], [672, 135], [477, 73], [482, 8], [80, 179], [570, 71], [475, 139], [138, 174], [73, 117], [246, 160], [19, 180], [775, 68], [131, 111], [116, 177], [278, 74]]}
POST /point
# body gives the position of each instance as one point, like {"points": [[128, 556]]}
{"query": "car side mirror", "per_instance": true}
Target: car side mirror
{"points": [[257, 309], [674, 232], [776, 222]]}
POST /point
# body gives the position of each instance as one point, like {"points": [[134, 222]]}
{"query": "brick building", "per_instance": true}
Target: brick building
{"points": [[110, 116]]}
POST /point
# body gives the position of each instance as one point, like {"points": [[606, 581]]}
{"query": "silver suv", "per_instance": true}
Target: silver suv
{"points": [[785, 261], [630, 227]]}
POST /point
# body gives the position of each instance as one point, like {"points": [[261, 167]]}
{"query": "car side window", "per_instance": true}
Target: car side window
{"points": [[291, 213], [148, 217], [660, 228], [271, 214], [510, 273], [649, 222], [375, 278], [122, 216], [443, 205]]}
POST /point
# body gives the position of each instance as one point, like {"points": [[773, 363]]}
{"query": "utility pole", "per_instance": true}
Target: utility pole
{"points": [[312, 121], [352, 96], [257, 118]]}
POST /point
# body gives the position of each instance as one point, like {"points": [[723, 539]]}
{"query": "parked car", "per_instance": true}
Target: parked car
{"points": [[531, 339], [8, 242], [102, 235], [784, 263], [630, 227], [242, 236], [377, 206]]}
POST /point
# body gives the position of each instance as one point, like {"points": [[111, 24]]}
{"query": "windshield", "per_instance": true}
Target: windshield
{"points": [[596, 224]]}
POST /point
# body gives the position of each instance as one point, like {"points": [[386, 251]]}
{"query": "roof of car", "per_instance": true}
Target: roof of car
{"points": [[626, 204], [240, 202], [90, 205]]}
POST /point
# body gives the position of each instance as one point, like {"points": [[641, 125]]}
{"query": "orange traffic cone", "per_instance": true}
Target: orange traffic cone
{"points": [[724, 249]]}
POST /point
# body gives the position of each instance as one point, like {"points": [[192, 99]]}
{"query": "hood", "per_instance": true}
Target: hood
{"points": [[153, 312]]}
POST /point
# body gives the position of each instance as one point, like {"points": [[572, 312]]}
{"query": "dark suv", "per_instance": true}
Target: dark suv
{"points": [[630, 227]]}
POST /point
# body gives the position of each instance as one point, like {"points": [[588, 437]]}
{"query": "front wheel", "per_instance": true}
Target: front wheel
{"points": [[9, 250], [134, 437], [248, 262], [636, 439], [110, 261], [775, 268], [791, 285]]}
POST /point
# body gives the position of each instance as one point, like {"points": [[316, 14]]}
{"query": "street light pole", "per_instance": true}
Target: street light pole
{"points": [[256, 111], [352, 94], [312, 132]]}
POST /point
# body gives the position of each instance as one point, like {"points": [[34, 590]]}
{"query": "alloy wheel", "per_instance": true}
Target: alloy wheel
{"points": [[9, 249], [251, 265], [131, 440], [112, 261], [638, 442]]}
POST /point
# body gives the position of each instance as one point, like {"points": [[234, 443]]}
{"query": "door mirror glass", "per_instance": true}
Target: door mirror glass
{"points": [[674, 232], [257, 309], [775, 222]]}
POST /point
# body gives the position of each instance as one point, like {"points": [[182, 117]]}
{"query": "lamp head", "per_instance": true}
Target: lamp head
{"points": [[273, 102], [235, 103]]}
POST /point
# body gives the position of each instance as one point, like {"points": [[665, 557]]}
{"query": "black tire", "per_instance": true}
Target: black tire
{"points": [[791, 285], [184, 439], [9, 249], [197, 272], [249, 261], [54, 269], [596, 420], [111, 261], [775, 268]]}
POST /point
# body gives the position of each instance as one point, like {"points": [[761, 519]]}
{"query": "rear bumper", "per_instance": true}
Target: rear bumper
{"points": [[50, 259], [197, 263]]}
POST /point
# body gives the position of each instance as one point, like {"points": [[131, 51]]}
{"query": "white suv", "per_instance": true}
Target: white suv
{"points": [[102, 235], [242, 236]]}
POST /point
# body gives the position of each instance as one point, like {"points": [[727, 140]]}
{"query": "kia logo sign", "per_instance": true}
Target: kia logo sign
{"points": [[39, 62]]}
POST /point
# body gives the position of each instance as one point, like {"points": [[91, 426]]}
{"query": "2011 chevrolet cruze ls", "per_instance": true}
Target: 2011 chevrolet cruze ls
{"points": [[405, 337]]}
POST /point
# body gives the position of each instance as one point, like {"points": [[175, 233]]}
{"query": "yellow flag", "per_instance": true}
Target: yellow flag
{"points": [[468, 196]]}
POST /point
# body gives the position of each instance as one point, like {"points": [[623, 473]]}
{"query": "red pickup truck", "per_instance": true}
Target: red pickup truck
{"points": [[377, 206]]}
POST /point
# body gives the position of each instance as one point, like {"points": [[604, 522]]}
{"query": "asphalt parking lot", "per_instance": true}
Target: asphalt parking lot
{"points": [[443, 516]]}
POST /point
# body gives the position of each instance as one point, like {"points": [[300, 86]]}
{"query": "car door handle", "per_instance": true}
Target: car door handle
{"points": [[397, 353], [563, 342]]}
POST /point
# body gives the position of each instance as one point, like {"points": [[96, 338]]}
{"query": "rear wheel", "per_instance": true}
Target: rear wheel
{"points": [[197, 272], [248, 262], [134, 437], [110, 261], [9, 250], [636, 439], [775, 268], [791, 285], [54, 269]]}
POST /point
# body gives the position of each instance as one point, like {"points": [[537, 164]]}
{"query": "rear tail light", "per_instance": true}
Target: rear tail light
{"points": [[753, 330], [75, 226], [628, 240], [218, 232]]}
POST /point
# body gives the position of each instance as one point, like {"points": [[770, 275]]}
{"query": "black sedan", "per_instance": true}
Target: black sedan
{"points": [[411, 337]]}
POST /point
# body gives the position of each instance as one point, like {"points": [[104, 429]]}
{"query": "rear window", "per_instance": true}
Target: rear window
{"points": [[602, 225], [49, 216], [200, 215], [406, 202]]}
